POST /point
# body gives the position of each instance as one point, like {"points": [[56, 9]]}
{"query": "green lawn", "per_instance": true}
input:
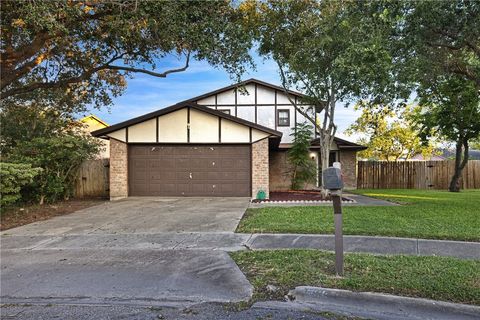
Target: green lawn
{"points": [[423, 214], [437, 278]]}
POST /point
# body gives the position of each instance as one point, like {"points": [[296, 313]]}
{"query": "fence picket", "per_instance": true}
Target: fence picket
{"points": [[415, 174]]}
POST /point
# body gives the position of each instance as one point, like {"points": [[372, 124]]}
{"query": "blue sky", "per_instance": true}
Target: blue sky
{"points": [[146, 93]]}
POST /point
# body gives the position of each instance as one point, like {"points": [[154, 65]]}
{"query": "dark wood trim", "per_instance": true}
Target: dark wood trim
{"points": [[256, 103], [236, 99], [223, 110], [276, 123], [157, 129], [278, 118], [250, 134], [161, 112], [216, 103], [251, 105], [241, 84], [188, 125], [251, 171], [126, 134], [219, 130], [295, 115], [189, 144]]}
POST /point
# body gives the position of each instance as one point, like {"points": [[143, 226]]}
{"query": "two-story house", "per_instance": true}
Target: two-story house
{"points": [[229, 142]]}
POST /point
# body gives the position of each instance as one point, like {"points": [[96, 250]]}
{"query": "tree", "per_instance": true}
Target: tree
{"points": [[439, 50], [60, 157], [431, 46], [44, 136], [390, 135], [86, 49], [452, 108], [329, 50], [303, 168]]}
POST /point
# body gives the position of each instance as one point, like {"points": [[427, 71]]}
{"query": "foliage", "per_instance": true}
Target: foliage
{"points": [[390, 135], [438, 278], [86, 49], [434, 48], [13, 177], [452, 108], [330, 50], [475, 144], [426, 214], [303, 168], [24, 122], [59, 156]]}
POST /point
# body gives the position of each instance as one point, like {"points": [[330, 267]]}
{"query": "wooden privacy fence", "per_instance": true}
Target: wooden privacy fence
{"points": [[93, 179], [415, 174]]}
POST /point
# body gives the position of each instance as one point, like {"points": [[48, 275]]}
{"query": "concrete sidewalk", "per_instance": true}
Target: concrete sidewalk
{"points": [[228, 241]]}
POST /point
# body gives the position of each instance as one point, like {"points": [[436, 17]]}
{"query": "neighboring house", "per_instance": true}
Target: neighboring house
{"points": [[222, 143], [92, 123], [447, 154]]}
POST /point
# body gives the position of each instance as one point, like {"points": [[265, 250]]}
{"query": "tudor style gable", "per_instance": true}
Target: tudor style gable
{"points": [[261, 103]]}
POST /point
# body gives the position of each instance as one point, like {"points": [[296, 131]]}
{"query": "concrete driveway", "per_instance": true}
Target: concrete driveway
{"points": [[137, 249], [137, 215]]}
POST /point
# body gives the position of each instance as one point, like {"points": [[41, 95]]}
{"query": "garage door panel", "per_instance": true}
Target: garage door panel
{"points": [[185, 170]]}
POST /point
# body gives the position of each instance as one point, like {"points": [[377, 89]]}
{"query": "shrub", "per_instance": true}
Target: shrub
{"points": [[59, 157], [13, 177], [303, 168]]}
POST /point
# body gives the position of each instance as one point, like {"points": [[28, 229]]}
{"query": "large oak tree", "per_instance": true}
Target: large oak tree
{"points": [[85, 49]]}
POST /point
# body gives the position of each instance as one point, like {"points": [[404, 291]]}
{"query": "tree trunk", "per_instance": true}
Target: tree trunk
{"points": [[460, 163]]}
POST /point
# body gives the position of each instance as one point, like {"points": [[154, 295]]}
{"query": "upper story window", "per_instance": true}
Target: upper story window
{"points": [[283, 117], [226, 111]]}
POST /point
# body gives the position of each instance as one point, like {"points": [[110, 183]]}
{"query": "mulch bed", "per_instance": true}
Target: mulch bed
{"points": [[21, 215], [299, 195]]}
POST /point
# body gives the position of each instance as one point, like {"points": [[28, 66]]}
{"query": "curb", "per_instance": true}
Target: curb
{"points": [[367, 244], [383, 306]]}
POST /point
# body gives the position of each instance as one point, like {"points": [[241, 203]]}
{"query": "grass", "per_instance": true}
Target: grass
{"points": [[437, 278], [423, 214]]}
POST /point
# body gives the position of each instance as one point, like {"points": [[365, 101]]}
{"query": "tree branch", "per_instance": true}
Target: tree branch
{"points": [[88, 73]]}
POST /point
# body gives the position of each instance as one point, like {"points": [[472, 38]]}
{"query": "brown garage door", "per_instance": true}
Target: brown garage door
{"points": [[180, 170]]}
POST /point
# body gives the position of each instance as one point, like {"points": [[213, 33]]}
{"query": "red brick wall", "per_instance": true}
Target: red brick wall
{"points": [[280, 171], [348, 159], [260, 167], [118, 169]]}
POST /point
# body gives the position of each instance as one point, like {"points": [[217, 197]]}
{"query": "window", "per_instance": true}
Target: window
{"points": [[226, 111], [333, 158], [283, 118]]}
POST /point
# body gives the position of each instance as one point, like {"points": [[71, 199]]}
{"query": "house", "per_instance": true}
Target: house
{"points": [[229, 142], [92, 123], [447, 154]]}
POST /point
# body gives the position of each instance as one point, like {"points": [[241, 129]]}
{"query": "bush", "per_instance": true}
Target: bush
{"points": [[13, 177], [304, 169], [59, 157]]}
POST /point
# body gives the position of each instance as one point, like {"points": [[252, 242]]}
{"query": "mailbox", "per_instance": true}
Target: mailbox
{"points": [[332, 178]]}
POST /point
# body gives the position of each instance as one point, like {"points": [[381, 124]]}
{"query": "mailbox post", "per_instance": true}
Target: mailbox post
{"points": [[332, 178]]}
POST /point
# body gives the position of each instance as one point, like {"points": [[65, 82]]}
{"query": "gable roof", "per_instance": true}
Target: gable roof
{"points": [[342, 144], [244, 83], [178, 106]]}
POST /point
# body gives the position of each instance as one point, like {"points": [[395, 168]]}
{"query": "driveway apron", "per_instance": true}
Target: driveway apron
{"points": [[137, 249]]}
